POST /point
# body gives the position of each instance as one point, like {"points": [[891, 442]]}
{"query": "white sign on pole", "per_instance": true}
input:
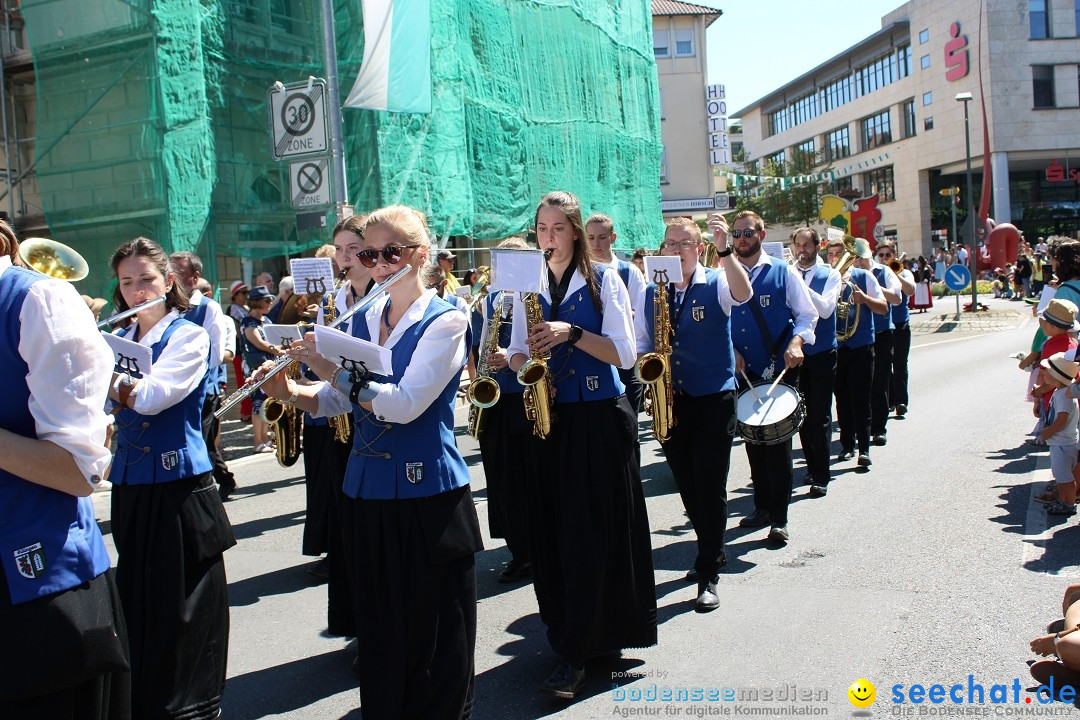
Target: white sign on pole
{"points": [[298, 118], [688, 204], [309, 183], [715, 92]]}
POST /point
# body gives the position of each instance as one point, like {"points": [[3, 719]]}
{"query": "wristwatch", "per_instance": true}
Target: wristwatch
{"points": [[725, 252], [575, 335]]}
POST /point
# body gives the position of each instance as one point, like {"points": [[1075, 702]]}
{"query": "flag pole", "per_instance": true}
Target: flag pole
{"points": [[333, 107]]}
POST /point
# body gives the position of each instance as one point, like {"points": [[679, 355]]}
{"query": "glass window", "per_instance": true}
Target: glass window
{"points": [[1076, 17], [927, 98], [807, 149], [924, 62], [880, 182], [1042, 85], [928, 123], [903, 61], [684, 42], [660, 44], [777, 159], [841, 183], [837, 144], [909, 118], [877, 130], [1039, 17], [924, 37]]}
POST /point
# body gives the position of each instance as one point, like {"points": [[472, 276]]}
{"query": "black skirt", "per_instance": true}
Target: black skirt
{"points": [[589, 533], [65, 655], [171, 575], [416, 604], [505, 429]]}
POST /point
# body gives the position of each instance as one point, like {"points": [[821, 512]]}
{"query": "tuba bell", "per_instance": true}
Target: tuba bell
{"points": [[56, 260], [847, 311]]}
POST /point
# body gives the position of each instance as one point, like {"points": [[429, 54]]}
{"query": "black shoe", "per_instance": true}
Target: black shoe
{"points": [[226, 489], [779, 533], [758, 518], [845, 455], [901, 410], [565, 681], [819, 490], [879, 440], [864, 459], [515, 570], [707, 599]]}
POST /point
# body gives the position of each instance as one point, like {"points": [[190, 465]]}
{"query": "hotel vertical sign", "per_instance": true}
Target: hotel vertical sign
{"points": [[716, 119]]}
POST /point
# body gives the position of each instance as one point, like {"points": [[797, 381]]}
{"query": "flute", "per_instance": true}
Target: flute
{"points": [[129, 312], [283, 362]]}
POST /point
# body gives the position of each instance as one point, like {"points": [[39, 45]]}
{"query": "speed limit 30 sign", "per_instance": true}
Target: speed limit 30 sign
{"points": [[298, 118]]}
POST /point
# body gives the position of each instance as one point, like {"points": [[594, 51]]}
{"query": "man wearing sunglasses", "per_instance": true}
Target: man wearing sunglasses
{"points": [[768, 334], [901, 316], [894, 290]]}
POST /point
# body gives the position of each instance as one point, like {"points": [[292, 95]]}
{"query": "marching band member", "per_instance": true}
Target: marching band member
{"points": [[168, 522], [892, 289], [600, 231], [855, 356], [768, 336], [901, 317], [591, 557], [698, 448], [818, 371], [65, 643], [410, 526], [504, 432]]}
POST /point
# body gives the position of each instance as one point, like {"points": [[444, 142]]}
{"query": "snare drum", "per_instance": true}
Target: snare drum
{"points": [[773, 419]]}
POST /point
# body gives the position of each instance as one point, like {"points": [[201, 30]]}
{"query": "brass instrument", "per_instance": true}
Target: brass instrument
{"points": [[710, 258], [484, 391], [654, 369], [479, 289], [342, 424], [53, 259], [536, 377], [847, 311], [896, 265], [285, 421]]}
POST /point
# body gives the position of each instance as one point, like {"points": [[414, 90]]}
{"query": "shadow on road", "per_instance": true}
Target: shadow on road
{"points": [[290, 686], [254, 528], [1019, 460], [279, 582]]}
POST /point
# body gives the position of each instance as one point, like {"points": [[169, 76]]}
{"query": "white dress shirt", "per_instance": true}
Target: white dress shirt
{"points": [[70, 368], [892, 282], [635, 286], [825, 301], [643, 321], [797, 296], [177, 371], [439, 356], [214, 323], [617, 324]]}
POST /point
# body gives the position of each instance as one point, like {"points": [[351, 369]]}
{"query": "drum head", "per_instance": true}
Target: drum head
{"points": [[774, 408]]}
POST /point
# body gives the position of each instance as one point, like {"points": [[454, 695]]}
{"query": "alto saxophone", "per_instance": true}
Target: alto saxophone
{"points": [[341, 423], [535, 375], [484, 391], [654, 369], [285, 421]]}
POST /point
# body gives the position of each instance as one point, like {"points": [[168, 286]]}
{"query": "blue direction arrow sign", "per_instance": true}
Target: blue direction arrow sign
{"points": [[957, 277]]}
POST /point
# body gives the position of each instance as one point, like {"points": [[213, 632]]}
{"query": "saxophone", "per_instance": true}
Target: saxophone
{"points": [[341, 423], [285, 421], [484, 390], [654, 369], [535, 376]]}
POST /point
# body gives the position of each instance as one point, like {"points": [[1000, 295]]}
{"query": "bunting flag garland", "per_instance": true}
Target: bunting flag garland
{"points": [[785, 181]]}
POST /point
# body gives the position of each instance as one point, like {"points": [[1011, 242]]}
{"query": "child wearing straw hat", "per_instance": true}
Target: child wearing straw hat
{"points": [[1058, 324], [1060, 431]]}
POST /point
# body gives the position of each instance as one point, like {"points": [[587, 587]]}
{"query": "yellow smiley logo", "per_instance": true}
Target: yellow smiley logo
{"points": [[862, 693]]}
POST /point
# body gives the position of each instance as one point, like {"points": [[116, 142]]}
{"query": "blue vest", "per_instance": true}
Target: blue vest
{"points": [[624, 272], [882, 322], [825, 330], [152, 449], [864, 332], [901, 313], [417, 459], [770, 294], [49, 540], [702, 359], [506, 377], [578, 375]]}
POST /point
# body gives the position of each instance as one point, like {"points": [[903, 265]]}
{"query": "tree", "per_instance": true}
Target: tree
{"points": [[798, 202]]}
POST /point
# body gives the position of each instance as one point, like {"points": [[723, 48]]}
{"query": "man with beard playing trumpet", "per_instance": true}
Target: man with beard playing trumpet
{"points": [[702, 365]]}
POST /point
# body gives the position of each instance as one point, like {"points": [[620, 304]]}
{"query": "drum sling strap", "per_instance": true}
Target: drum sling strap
{"points": [[755, 310]]}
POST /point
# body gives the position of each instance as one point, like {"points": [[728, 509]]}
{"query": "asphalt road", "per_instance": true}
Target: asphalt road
{"points": [[933, 566]]}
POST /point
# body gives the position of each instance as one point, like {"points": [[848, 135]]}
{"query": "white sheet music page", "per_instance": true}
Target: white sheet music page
{"points": [[348, 351], [281, 335], [130, 357], [518, 270], [312, 275], [663, 269]]}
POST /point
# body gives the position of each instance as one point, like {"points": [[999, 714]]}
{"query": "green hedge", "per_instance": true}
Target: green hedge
{"points": [[938, 289]]}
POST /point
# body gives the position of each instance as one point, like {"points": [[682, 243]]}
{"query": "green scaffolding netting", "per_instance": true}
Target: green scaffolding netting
{"points": [[151, 119]]}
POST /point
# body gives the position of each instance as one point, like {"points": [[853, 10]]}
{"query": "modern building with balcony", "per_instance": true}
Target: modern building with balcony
{"points": [[883, 116]]}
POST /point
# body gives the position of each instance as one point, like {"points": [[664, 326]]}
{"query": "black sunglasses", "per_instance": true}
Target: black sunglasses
{"points": [[748, 232], [391, 254]]}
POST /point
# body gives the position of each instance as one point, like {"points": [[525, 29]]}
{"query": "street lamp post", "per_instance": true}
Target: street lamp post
{"points": [[965, 97], [951, 193]]}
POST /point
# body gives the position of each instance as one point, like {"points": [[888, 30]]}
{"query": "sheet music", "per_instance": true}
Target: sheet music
{"points": [[312, 275], [348, 351], [774, 249], [281, 335], [130, 357], [669, 268], [518, 270]]}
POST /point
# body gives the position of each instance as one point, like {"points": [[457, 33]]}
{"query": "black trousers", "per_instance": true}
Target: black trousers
{"points": [[634, 391], [817, 375], [210, 427], [698, 450], [854, 377], [771, 473], [898, 392], [879, 391]]}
